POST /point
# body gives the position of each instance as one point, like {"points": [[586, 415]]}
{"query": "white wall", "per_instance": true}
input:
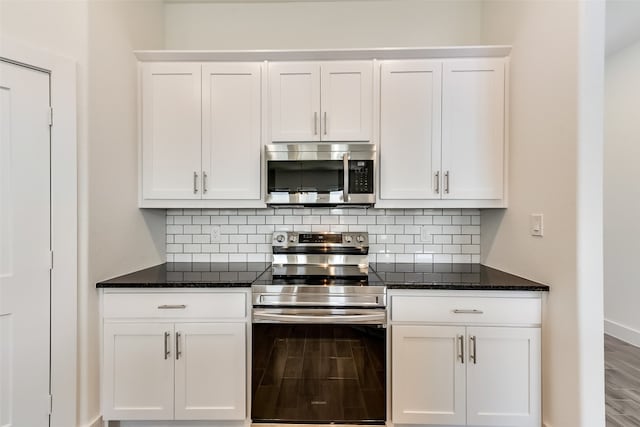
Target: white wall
{"points": [[114, 236], [122, 238], [321, 24], [622, 194], [556, 169]]}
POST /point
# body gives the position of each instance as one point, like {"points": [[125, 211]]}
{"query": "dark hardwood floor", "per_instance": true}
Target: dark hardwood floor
{"points": [[622, 383]]}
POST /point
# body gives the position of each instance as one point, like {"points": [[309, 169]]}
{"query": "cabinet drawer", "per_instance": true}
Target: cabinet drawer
{"points": [[175, 305], [465, 310]]}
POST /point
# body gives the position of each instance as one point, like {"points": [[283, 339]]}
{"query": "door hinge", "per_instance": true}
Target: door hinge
{"points": [[50, 260], [50, 404], [50, 116]]}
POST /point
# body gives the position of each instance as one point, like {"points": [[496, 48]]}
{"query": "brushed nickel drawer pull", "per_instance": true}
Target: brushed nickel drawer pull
{"points": [[172, 306], [458, 311]]}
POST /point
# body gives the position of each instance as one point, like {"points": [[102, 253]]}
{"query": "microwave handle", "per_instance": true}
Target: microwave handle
{"points": [[345, 187]]}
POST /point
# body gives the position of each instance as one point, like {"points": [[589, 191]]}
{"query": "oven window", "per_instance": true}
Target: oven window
{"points": [[318, 373], [321, 176]]}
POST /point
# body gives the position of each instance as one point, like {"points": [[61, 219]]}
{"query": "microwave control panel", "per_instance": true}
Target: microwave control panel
{"points": [[361, 176]]}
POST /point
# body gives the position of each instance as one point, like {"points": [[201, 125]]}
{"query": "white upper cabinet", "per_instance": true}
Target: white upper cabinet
{"points": [[171, 134], [346, 100], [321, 101], [201, 134], [442, 133], [295, 101], [231, 131], [473, 114], [410, 111]]}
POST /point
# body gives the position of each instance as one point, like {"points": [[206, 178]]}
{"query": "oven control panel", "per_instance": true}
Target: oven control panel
{"points": [[332, 239]]}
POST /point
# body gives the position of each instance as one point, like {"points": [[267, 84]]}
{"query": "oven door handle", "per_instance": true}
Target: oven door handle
{"points": [[324, 317]]}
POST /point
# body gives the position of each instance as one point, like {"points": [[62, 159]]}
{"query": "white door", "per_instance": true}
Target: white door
{"points": [[24, 247], [210, 371], [410, 108], [473, 106], [138, 371], [294, 89], [428, 375], [171, 133], [346, 100], [231, 130], [503, 383]]}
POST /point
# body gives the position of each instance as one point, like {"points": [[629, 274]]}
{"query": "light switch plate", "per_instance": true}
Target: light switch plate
{"points": [[536, 225]]}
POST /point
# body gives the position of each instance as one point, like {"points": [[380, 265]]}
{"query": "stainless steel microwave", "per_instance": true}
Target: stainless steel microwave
{"points": [[320, 174]]}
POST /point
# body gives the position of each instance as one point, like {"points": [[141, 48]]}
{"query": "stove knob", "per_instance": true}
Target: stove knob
{"points": [[292, 239], [360, 238], [280, 238], [348, 239]]}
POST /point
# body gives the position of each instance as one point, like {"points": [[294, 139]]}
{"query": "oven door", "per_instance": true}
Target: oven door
{"points": [[319, 366]]}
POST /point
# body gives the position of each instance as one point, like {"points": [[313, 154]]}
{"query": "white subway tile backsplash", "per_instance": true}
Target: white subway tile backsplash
{"points": [[396, 235]]}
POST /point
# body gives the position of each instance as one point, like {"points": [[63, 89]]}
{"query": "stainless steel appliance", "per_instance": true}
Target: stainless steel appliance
{"points": [[319, 337], [320, 174]]}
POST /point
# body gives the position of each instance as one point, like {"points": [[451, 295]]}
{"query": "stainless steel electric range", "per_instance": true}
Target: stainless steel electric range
{"points": [[319, 337]]}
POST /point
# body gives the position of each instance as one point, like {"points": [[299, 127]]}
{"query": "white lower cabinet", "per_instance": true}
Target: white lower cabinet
{"points": [[469, 373], [169, 367], [138, 377], [210, 377]]}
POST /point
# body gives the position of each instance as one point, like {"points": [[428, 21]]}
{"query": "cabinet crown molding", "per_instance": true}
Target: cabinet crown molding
{"points": [[325, 54]]}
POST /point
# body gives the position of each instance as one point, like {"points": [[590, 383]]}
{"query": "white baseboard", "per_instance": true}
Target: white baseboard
{"points": [[622, 332]]}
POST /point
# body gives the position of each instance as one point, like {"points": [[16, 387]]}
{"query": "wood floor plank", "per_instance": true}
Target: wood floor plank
{"points": [[622, 383]]}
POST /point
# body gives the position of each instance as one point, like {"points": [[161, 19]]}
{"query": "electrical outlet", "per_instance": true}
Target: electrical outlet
{"points": [[536, 225], [424, 234], [215, 234]]}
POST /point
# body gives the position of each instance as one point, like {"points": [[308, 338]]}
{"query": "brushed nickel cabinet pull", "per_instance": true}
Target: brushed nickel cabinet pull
{"points": [[446, 182], [461, 344], [472, 353], [204, 183], [474, 311], [315, 122], [438, 182], [172, 306], [178, 352], [167, 352], [325, 123], [195, 182]]}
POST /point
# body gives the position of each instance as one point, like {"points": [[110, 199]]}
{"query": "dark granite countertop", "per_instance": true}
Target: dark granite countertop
{"points": [[190, 275], [394, 276], [452, 276]]}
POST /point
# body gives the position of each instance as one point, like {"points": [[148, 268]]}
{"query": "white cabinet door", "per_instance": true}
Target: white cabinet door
{"points": [[503, 384], [428, 377], [295, 101], [232, 121], [410, 108], [210, 371], [171, 131], [138, 371], [346, 100], [473, 114]]}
